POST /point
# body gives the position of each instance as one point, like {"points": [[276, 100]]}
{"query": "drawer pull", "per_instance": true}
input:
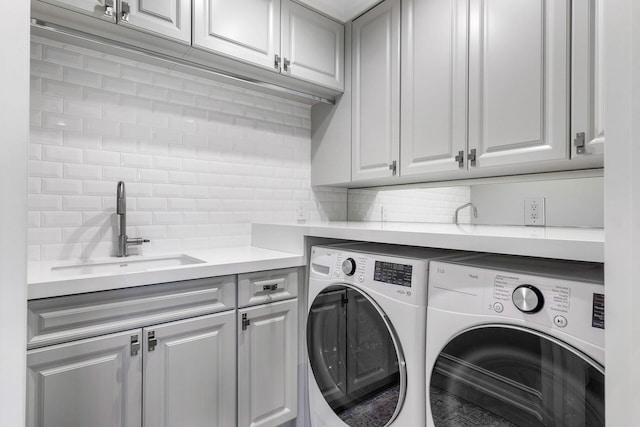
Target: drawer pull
{"points": [[269, 285]]}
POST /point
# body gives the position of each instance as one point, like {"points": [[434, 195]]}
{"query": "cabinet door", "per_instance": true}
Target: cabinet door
{"points": [[587, 77], [189, 372], [248, 30], [267, 364], [434, 86], [167, 18], [102, 9], [376, 92], [312, 46], [518, 81], [94, 382]]}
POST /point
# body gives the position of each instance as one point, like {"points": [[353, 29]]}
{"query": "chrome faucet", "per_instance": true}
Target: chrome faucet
{"points": [[473, 209], [121, 211]]}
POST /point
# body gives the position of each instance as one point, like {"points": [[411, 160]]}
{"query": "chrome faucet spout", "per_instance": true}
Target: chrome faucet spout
{"points": [[121, 211], [474, 210]]}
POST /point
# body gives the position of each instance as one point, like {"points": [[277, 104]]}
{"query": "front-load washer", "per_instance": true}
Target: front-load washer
{"points": [[366, 334], [515, 341]]}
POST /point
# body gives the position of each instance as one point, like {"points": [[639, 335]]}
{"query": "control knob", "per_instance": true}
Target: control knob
{"points": [[349, 266], [528, 299]]}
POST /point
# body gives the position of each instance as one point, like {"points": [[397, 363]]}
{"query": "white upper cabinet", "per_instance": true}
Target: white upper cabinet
{"points": [[167, 18], [248, 30], [312, 46], [277, 35], [101, 9], [434, 86], [376, 92], [587, 74], [518, 81]]}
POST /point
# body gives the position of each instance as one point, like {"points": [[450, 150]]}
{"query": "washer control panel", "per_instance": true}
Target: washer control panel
{"points": [[397, 277]]}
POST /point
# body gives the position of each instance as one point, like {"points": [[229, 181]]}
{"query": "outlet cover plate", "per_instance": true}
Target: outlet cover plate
{"points": [[534, 211]]}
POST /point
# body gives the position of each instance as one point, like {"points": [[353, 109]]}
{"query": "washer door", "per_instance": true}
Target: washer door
{"points": [[509, 376], [355, 357]]}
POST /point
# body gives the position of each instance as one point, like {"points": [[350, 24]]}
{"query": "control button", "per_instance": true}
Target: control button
{"points": [[528, 299], [349, 266], [361, 278], [560, 321], [498, 307], [336, 273]]}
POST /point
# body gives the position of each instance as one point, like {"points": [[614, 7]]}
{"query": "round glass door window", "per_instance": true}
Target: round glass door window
{"points": [[355, 357], [511, 376]]}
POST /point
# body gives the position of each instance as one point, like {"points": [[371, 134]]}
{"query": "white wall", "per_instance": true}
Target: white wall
{"points": [[201, 159], [568, 202], [622, 212], [14, 87]]}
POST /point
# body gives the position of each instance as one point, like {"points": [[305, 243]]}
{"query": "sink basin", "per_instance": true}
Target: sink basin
{"points": [[123, 265]]}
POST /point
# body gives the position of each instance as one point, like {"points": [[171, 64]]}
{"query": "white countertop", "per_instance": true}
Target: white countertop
{"points": [[44, 283], [580, 244], [283, 245]]}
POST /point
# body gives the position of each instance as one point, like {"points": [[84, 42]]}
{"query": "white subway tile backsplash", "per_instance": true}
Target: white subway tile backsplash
{"points": [[101, 127], [99, 65], [61, 186], [44, 169], [84, 172], [81, 77], [81, 203], [64, 57], [106, 158], [82, 109], [61, 219], [201, 159], [53, 153], [64, 90]]}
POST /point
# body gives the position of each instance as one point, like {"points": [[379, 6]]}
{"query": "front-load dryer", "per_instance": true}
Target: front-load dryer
{"points": [[515, 341], [366, 334]]}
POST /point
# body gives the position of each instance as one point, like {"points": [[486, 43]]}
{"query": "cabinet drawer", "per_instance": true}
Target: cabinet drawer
{"points": [[67, 318], [266, 286]]}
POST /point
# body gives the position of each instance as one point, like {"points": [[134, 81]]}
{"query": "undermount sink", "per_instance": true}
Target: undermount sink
{"points": [[123, 265]]}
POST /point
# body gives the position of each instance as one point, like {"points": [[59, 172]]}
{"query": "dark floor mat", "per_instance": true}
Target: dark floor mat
{"points": [[448, 410], [373, 412]]}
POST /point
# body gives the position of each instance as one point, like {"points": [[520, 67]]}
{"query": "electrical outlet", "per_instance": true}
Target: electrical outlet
{"points": [[534, 211], [301, 212]]}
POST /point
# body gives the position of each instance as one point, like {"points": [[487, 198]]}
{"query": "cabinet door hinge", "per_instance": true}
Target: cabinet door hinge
{"points": [[393, 167], [460, 159], [152, 341], [135, 345], [472, 157], [245, 322], [579, 143]]}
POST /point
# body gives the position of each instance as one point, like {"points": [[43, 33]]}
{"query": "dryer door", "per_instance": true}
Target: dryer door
{"points": [[355, 357], [511, 376]]}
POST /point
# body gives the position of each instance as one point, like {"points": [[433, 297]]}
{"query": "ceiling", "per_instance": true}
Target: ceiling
{"points": [[343, 10]]}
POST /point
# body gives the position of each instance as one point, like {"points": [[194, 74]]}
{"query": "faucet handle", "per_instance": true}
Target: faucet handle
{"points": [[137, 241]]}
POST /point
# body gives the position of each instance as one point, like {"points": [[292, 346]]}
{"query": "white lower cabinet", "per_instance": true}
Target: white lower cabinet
{"points": [[93, 382], [189, 372], [267, 364]]}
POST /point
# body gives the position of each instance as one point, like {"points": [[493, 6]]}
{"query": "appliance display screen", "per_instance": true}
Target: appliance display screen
{"points": [[597, 316], [395, 274]]}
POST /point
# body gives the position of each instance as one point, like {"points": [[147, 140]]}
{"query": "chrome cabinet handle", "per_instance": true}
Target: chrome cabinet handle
{"points": [[286, 65], [126, 9], [108, 8]]}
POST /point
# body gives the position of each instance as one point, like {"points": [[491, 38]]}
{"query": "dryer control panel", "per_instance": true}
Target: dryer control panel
{"points": [[566, 306]]}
